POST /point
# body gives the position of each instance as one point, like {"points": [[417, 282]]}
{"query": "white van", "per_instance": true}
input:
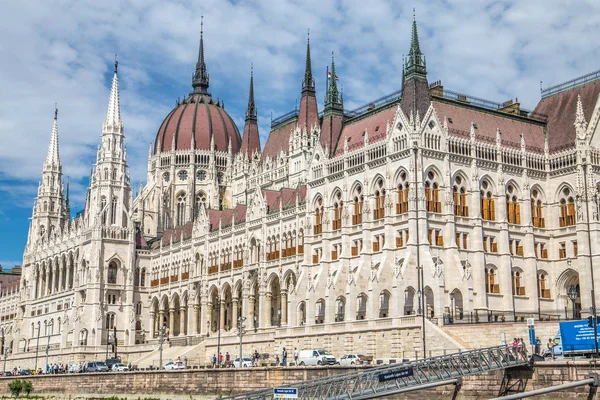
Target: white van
{"points": [[316, 357]]}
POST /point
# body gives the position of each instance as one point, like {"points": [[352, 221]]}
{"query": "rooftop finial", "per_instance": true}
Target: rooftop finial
{"points": [[251, 110], [55, 111], [332, 95], [415, 61], [116, 63], [200, 80], [53, 156], [308, 84]]}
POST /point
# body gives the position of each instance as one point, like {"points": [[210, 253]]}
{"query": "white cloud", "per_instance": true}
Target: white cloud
{"points": [[62, 52]]}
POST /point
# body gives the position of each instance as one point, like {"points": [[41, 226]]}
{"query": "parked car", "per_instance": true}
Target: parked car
{"points": [[25, 372], [74, 368], [351, 359], [8, 373], [316, 357], [246, 363], [171, 365], [95, 366], [119, 367], [112, 361]]}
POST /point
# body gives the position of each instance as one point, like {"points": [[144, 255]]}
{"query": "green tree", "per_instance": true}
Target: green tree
{"points": [[15, 387], [27, 387]]}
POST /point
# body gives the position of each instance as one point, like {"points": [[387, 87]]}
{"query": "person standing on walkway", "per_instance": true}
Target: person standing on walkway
{"points": [[214, 360], [284, 358], [296, 356], [220, 359], [227, 359]]}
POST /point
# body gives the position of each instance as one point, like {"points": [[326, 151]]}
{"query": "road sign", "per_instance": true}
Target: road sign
{"points": [[285, 393], [530, 322], [531, 335], [395, 374]]}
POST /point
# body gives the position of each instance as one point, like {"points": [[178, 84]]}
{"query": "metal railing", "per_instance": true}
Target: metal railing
{"points": [[581, 80], [403, 377]]}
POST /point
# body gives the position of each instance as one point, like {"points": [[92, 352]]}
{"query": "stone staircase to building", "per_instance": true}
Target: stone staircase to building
{"points": [[474, 336], [193, 354]]}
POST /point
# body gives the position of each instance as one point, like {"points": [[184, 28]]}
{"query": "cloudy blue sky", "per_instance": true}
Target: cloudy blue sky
{"points": [[63, 51]]}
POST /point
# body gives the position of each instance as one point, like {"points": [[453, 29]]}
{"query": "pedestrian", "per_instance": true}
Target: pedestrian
{"points": [[185, 360], [295, 356], [551, 345], [284, 358], [214, 360], [277, 362], [220, 358], [227, 358], [538, 345], [256, 358]]}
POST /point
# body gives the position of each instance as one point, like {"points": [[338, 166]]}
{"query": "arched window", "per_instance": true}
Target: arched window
{"points": [[110, 320], [201, 175], [114, 174], [42, 230], [340, 309], [337, 211], [490, 281], [318, 228], [358, 206], [181, 209], [320, 311], [113, 214], [45, 206], [52, 205], [106, 173], [361, 306], [513, 209], [402, 205], [567, 208], [143, 277], [544, 291], [537, 215], [461, 207], [518, 289], [219, 178], [384, 304], [182, 175], [112, 273], [379, 211], [200, 202], [432, 198], [103, 209], [488, 209]]}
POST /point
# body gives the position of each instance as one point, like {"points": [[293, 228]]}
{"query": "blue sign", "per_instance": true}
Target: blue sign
{"points": [[285, 393], [576, 335], [395, 374], [531, 336]]}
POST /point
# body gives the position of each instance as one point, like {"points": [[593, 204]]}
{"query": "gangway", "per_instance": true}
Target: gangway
{"points": [[403, 377]]}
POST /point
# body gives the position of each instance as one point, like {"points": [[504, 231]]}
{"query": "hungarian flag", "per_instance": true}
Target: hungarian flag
{"points": [[329, 76]]}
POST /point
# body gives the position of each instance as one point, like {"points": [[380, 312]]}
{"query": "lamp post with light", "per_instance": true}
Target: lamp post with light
{"points": [[50, 325], [573, 295], [452, 307]]}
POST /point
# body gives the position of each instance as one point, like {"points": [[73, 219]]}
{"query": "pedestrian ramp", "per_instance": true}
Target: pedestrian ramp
{"points": [[404, 377]]}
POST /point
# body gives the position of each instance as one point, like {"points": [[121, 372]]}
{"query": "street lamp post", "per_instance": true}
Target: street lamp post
{"points": [[452, 306], [48, 345], [6, 351], [241, 333], [219, 331], [573, 295], [207, 328], [161, 340], [37, 346], [279, 317], [255, 323], [107, 342], [115, 339]]}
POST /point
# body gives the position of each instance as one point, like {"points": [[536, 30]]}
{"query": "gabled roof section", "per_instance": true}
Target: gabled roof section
{"points": [[284, 197], [179, 233], [279, 139], [559, 103]]}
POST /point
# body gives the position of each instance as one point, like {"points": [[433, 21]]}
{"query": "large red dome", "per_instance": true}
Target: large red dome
{"points": [[204, 119]]}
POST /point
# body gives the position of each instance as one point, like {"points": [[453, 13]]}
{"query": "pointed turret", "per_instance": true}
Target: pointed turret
{"points": [[53, 157], [200, 80], [415, 89], [251, 138], [113, 115], [333, 113], [308, 115], [580, 122]]}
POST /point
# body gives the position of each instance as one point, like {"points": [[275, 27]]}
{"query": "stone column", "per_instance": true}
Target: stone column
{"points": [[235, 316], [56, 288], [152, 325], [171, 321], [267, 312], [209, 315], [250, 310], [60, 278], [222, 315], [182, 318], [284, 307], [68, 273], [194, 310], [161, 318]]}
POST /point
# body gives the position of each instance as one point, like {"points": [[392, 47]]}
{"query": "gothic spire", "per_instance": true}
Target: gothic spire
{"points": [[415, 62], [308, 84], [332, 96], [415, 49], [200, 79], [113, 115], [251, 110], [53, 156], [580, 122]]}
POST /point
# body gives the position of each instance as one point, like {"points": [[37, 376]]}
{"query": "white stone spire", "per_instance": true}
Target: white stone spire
{"points": [[53, 156], [113, 115], [580, 122]]}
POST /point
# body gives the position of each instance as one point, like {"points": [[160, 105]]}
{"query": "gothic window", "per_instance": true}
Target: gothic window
{"points": [[200, 202], [318, 228], [138, 308], [341, 309], [110, 320], [103, 209], [461, 208], [143, 277], [45, 206], [379, 211], [537, 209], [358, 206], [432, 200], [166, 177], [51, 230], [518, 289], [337, 211], [384, 304], [106, 173], [112, 273], [114, 174], [52, 204], [513, 209], [402, 205], [544, 292], [567, 208], [181, 209], [201, 175], [490, 281], [183, 175], [219, 178], [488, 210], [42, 230], [113, 214]]}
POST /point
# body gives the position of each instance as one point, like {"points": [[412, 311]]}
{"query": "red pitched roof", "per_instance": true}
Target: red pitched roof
{"points": [[251, 139], [560, 109], [308, 113], [331, 131], [181, 232], [487, 123], [279, 139], [374, 123]]}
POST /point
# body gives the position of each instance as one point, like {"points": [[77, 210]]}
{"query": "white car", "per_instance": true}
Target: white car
{"points": [[246, 363], [171, 365], [120, 368], [74, 368], [352, 359]]}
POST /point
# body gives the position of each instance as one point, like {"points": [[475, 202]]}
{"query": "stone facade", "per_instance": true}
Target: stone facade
{"points": [[425, 201]]}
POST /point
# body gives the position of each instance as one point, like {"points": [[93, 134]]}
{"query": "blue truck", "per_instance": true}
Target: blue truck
{"points": [[575, 338]]}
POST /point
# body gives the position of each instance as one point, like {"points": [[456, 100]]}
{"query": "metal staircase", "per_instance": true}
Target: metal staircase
{"points": [[399, 378]]}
